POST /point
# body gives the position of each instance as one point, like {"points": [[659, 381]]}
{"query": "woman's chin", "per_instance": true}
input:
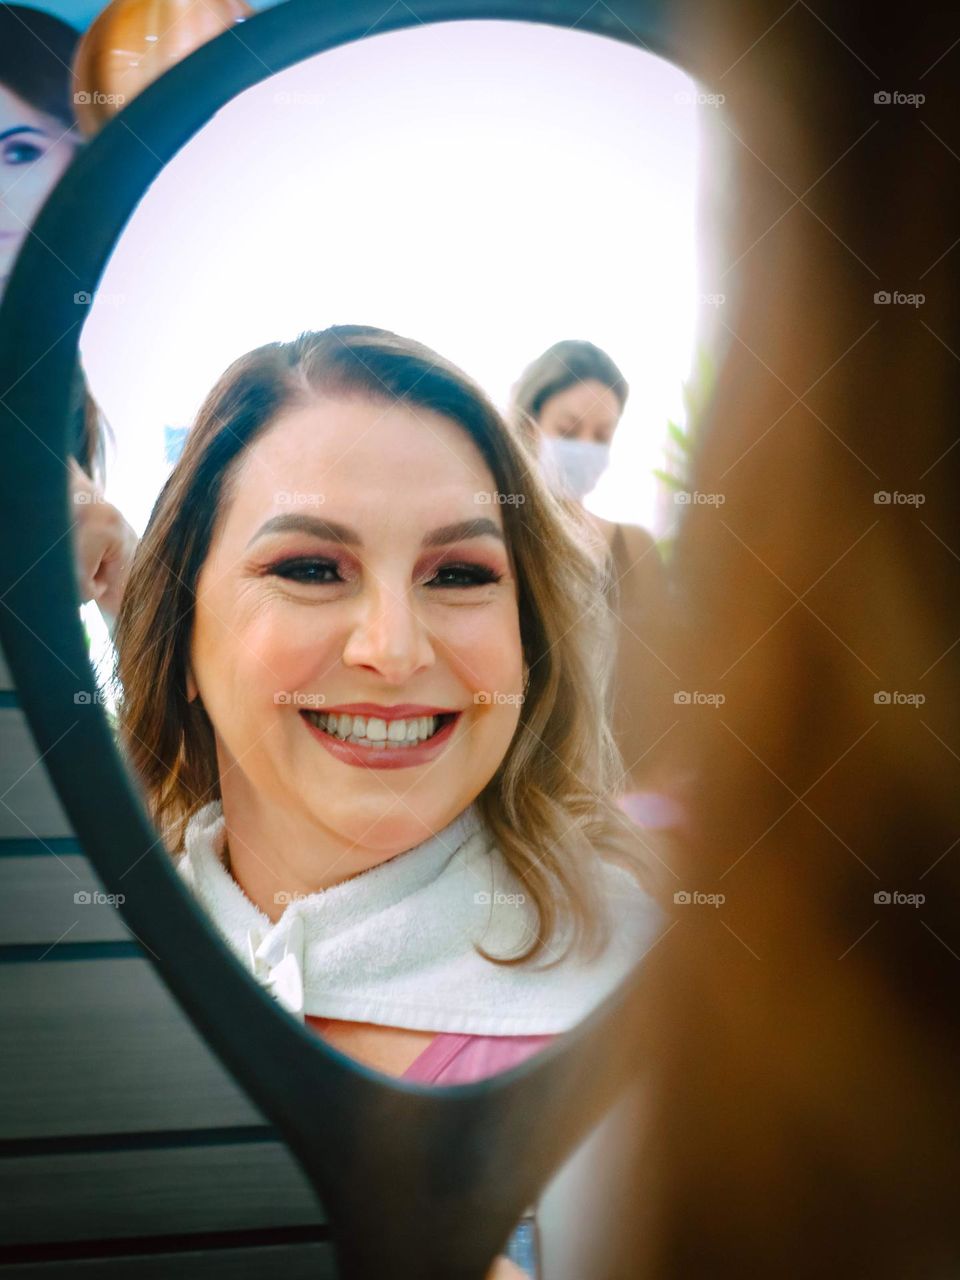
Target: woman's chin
{"points": [[385, 825]]}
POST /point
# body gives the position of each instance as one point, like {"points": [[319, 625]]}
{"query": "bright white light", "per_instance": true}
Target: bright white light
{"points": [[486, 187]]}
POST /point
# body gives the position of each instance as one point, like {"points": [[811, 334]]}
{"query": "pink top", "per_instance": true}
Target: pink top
{"points": [[461, 1059]]}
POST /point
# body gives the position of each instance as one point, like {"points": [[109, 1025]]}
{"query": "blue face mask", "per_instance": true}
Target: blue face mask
{"points": [[573, 467]]}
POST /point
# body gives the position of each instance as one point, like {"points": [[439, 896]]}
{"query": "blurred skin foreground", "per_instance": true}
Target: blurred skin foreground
{"points": [[798, 1040]]}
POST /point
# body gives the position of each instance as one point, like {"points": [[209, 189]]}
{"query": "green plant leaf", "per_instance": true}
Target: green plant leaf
{"points": [[671, 481], [679, 437]]}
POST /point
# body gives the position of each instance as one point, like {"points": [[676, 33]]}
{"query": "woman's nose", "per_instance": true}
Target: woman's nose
{"points": [[389, 635]]}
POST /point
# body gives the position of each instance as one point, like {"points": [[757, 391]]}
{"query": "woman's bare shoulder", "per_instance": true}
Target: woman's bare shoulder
{"points": [[639, 541]]}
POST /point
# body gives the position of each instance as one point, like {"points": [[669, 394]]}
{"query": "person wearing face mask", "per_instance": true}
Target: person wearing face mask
{"points": [[566, 406]]}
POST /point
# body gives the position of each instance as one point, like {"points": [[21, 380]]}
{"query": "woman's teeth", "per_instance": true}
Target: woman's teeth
{"points": [[369, 731]]}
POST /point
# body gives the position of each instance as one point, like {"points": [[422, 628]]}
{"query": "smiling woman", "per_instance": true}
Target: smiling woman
{"points": [[366, 733], [418, 607], [361, 658]]}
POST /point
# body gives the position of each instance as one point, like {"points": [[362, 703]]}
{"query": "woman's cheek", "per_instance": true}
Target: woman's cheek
{"points": [[502, 649], [296, 650], [490, 634]]}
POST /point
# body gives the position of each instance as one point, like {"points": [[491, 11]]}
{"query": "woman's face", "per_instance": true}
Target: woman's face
{"points": [[356, 570], [35, 149], [586, 411]]}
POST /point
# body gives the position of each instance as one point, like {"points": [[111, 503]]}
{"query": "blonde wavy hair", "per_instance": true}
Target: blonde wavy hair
{"points": [[550, 807]]}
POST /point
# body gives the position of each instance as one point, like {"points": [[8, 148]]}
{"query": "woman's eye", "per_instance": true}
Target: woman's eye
{"points": [[308, 571], [467, 575], [21, 153], [312, 572]]}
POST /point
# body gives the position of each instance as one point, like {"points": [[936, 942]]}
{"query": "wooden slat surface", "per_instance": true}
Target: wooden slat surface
{"points": [[100, 1046], [174, 1191], [28, 802], [273, 1262], [45, 898]]}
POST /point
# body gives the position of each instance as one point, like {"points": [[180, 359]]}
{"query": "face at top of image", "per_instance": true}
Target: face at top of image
{"points": [[353, 563], [37, 139]]}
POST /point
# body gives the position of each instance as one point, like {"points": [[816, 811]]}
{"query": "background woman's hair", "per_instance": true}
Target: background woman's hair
{"points": [[88, 429], [550, 804], [798, 1045], [36, 56], [561, 366]]}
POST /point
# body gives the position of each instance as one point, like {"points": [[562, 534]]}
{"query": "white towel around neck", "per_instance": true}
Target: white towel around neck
{"points": [[394, 945]]}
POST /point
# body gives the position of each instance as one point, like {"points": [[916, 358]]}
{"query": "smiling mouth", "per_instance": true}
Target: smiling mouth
{"points": [[370, 731]]}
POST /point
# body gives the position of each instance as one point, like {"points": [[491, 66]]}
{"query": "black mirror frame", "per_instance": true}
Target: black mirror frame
{"points": [[419, 1182]]}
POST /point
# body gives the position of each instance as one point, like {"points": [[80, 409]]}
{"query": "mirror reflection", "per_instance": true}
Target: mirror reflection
{"points": [[366, 662], [387, 601]]}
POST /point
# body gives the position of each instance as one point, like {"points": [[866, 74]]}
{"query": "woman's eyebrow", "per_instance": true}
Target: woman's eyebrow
{"points": [[336, 532], [21, 128], [479, 528]]}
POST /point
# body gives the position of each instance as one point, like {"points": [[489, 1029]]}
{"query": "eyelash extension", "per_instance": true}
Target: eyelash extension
{"points": [[291, 568], [481, 575]]}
